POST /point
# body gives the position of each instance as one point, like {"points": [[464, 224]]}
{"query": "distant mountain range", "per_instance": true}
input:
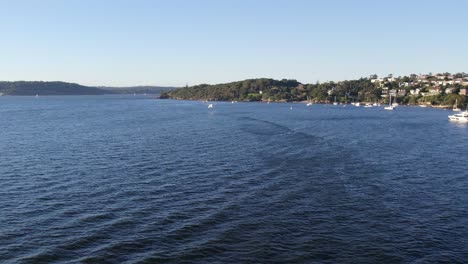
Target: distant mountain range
{"points": [[64, 88]]}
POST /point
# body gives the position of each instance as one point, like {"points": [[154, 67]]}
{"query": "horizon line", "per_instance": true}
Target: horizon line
{"points": [[224, 82]]}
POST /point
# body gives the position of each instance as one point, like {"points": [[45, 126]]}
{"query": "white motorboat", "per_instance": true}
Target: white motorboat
{"points": [[460, 117]]}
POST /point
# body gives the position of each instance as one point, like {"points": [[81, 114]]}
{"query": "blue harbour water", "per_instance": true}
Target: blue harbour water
{"points": [[124, 179]]}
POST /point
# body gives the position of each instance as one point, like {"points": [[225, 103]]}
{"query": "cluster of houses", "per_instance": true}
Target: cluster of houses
{"points": [[425, 84]]}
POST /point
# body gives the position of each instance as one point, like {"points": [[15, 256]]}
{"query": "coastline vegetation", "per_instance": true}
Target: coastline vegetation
{"points": [[407, 90]]}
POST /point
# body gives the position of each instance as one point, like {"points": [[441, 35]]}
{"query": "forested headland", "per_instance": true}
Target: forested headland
{"points": [[434, 90]]}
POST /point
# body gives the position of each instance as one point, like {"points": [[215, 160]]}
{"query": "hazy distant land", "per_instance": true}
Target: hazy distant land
{"points": [[63, 88]]}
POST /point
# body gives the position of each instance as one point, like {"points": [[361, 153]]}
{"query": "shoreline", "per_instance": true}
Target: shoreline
{"points": [[445, 107]]}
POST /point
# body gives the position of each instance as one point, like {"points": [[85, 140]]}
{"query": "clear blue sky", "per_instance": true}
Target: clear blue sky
{"points": [[174, 42]]}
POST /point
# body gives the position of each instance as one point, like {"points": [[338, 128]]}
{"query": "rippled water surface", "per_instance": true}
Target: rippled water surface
{"points": [[123, 179]]}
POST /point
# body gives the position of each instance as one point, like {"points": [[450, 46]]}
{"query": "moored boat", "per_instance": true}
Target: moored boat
{"points": [[390, 105], [455, 106], [460, 117], [334, 101]]}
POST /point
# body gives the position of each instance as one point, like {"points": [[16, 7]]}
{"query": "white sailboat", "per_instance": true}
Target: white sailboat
{"points": [[424, 103], [455, 108], [334, 102], [309, 101], [390, 106], [210, 106]]}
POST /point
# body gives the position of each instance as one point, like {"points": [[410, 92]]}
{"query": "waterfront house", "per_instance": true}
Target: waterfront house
{"points": [[415, 91], [422, 77], [434, 90]]}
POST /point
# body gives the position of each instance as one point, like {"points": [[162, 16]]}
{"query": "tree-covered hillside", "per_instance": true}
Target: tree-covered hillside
{"points": [[406, 90], [275, 90], [248, 90], [138, 89]]}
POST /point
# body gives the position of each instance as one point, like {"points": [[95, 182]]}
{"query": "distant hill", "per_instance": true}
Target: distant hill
{"points": [[138, 89], [439, 90], [247, 90], [64, 88], [48, 88]]}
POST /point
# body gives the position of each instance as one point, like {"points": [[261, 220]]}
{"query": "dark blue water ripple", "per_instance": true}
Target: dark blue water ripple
{"points": [[119, 179]]}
